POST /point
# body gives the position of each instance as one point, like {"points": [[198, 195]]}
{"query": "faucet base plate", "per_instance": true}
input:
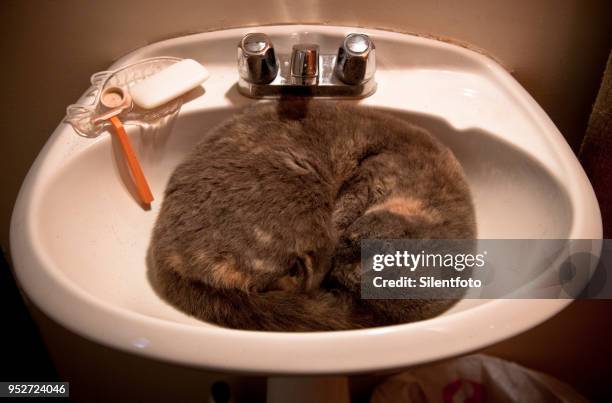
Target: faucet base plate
{"points": [[327, 85]]}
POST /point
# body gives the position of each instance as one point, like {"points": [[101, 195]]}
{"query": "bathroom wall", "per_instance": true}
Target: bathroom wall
{"points": [[556, 48]]}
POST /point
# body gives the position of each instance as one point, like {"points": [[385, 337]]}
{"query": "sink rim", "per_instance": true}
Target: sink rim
{"points": [[80, 311]]}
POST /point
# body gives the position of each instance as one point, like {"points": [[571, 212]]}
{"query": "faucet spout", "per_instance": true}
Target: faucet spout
{"points": [[305, 64]]}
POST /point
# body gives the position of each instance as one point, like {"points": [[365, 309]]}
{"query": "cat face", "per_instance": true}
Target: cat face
{"points": [[301, 275], [294, 260]]}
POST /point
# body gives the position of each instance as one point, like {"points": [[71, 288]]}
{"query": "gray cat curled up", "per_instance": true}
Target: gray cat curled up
{"points": [[261, 225]]}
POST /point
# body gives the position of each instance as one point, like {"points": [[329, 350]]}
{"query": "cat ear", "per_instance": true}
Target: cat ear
{"points": [[298, 277]]}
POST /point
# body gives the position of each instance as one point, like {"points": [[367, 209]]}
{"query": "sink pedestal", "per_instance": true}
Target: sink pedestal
{"points": [[312, 389]]}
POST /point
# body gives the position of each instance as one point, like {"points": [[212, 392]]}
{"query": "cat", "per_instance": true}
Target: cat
{"points": [[260, 227]]}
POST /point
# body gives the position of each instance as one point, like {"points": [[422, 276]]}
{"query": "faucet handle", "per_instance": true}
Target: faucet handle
{"points": [[257, 61], [305, 64], [356, 61]]}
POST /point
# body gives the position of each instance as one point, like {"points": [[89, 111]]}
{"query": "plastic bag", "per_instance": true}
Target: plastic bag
{"points": [[475, 378]]}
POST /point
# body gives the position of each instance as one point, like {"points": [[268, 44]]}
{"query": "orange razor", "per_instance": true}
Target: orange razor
{"points": [[116, 100]]}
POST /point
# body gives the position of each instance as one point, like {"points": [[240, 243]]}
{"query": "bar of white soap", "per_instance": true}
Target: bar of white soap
{"points": [[169, 83]]}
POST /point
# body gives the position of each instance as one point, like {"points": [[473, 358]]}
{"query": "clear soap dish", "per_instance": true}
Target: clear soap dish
{"points": [[90, 117]]}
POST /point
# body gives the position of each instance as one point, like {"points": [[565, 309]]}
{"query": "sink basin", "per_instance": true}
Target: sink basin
{"points": [[79, 239]]}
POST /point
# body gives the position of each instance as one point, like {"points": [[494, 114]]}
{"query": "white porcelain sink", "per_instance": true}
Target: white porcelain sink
{"points": [[79, 239]]}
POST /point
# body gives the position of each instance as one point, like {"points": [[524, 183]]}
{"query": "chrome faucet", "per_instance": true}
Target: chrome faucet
{"points": [[305, 64], [257, 62], [306, 72]]}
